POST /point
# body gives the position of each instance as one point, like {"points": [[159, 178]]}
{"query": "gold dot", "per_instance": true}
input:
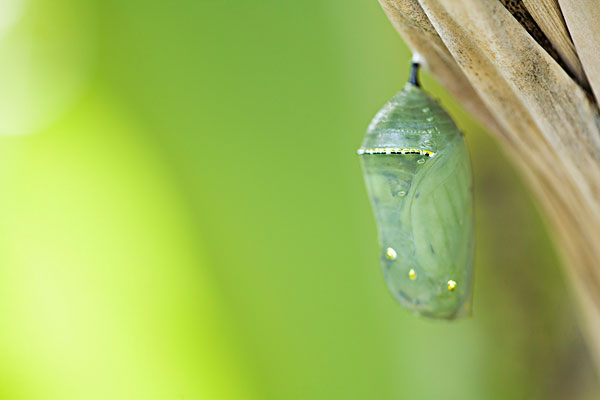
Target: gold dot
{"points": [[451, 285], [412, 274], [391, 253]]}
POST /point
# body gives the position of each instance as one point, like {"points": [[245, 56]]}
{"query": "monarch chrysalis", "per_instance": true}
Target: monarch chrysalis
{"points": [[418, 176]]}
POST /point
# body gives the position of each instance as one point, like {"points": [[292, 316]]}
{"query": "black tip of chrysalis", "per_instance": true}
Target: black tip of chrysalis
{"points": [[414, 74]]}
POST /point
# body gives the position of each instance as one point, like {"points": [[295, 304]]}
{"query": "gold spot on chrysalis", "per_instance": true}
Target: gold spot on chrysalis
{"points": [[391, 253], [412, 274], [451, 285]]}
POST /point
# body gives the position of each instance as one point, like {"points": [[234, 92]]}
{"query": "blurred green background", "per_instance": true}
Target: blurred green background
{"points": [[183, 216]]}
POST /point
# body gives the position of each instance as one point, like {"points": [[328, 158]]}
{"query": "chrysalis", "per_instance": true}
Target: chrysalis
{"points": [[418, 176]]}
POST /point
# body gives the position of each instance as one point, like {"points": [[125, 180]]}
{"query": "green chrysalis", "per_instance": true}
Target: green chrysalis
{"points": [[418, 176]]}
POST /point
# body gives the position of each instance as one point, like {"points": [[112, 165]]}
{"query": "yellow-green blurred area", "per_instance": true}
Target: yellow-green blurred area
{"points": [[183, 216]]}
